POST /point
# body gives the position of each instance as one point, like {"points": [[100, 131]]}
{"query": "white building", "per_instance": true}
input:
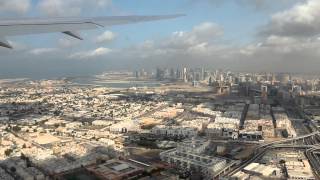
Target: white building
{"points": [[201, 109], [173, 131], [125, 126], [262, 170], [73, 125], [227, 120], [101, 123], [189, 156], [107, 142], [225, 130], [283, 122]]}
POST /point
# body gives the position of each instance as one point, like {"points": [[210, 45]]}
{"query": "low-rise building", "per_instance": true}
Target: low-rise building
{"points": [[283, 122], [21, 169], [227, 120], [262, 170], [125, 126], [115, 170], [296, 163], [222, 130], [101, 123], [250, 135], [172, 131], [190, 156]]}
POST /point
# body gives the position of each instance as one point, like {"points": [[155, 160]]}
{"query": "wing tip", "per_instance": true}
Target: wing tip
{"points": [[73, 34], [4, 43]]}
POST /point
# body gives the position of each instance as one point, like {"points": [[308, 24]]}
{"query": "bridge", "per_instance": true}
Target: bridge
{"points": [[290, 140], [312, 148], [314, 159]]}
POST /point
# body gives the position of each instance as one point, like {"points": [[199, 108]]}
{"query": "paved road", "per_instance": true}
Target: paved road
{"points": [[261, 150], [314, 160]]}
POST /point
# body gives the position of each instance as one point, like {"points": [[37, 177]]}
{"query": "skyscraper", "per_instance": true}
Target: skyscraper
{"points": [[159, 74], [185, 75], [172, 74]]}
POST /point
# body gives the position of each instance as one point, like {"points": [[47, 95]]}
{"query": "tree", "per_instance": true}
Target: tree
{"points": [[16, 128], [13, 169], [8, 152], [23, 157], [28, 162]]}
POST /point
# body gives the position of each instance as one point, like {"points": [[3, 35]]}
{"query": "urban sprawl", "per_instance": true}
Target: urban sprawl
{"points": [[190, 123]]}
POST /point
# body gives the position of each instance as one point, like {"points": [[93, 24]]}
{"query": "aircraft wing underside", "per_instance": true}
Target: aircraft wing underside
{"points": [[69, 26]]}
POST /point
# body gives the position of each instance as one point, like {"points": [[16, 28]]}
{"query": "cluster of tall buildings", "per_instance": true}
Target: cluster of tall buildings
{"points": [[178, 74], [228, 82], [210, 75]]}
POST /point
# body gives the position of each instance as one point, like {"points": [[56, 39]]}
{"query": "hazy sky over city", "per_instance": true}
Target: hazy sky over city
{"points": [[254, 35]]}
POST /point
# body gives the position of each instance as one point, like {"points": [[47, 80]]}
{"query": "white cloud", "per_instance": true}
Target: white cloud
{"points": [[70, 7], [107, 36], [15, 6], [302, 20], [202, 41], [203, 32], [261, 5], [41, 51], [201, 46], [274, 40], [91, 54], [207, 30]]}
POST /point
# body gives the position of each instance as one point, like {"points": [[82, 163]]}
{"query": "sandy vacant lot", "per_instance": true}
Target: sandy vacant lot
{"points": [[45, 139]]}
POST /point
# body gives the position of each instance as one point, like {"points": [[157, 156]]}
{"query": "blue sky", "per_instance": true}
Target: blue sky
{"points": [[246, 35], [238, 21]]}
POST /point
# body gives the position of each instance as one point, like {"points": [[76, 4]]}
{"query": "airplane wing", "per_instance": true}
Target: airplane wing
{"points": [[69, 26]]}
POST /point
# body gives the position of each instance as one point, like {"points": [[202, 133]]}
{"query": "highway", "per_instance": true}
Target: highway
{"points": [[289, 139], [245, 163], [310, 144], [314, 160], [235, 141]]}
